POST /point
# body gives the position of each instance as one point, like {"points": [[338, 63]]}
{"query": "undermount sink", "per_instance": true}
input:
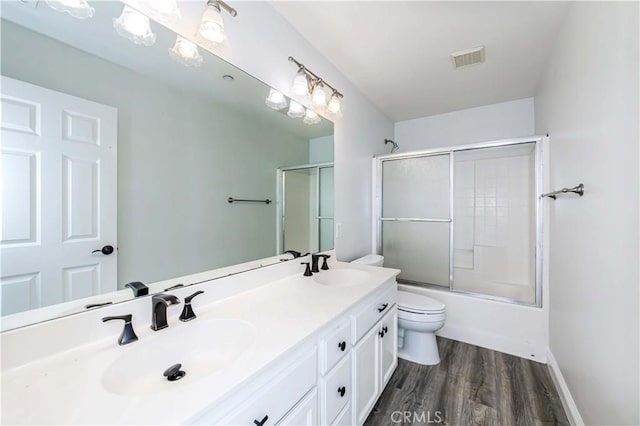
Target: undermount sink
{"points": [[203, 348], [343, 277]]}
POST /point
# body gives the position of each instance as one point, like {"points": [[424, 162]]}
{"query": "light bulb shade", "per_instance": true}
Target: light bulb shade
{"points": [[335, 106], [275, 100], [160, 10], [319, 96], [186, 52], [300, 86], [134, 26], [212, 25], [295, 110], [77, 8], [311, 117]]}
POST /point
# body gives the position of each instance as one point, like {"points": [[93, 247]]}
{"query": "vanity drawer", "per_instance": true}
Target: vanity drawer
{"points": [[336, 390], [281, 395], [364, 319], [336, 345]]}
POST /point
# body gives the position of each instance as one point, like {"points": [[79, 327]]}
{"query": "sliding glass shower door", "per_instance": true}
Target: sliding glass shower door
{"points": [[416, 218], [463, 219]]}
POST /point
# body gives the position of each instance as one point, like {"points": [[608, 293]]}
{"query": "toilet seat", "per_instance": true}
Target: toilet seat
{"points": [[418, 304]]}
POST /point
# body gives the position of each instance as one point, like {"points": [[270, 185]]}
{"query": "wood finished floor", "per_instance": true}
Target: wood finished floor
{"points": [[470, 386]]}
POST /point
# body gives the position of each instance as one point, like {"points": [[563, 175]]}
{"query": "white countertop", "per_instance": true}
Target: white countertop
{"points": [[67, 387]]}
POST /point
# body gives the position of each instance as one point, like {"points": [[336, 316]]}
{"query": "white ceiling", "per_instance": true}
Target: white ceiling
{"points": [[398, 53]]}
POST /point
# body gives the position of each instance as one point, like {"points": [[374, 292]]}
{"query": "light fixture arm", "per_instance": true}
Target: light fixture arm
{"points": [[219, 4], [316, 79]]}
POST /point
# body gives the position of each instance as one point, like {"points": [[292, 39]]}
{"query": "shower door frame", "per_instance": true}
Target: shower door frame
{"points": [[378, 219], [280, 226]]}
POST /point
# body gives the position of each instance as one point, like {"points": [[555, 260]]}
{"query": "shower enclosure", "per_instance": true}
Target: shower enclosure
{"points": [[463, 219], [305, 219]]}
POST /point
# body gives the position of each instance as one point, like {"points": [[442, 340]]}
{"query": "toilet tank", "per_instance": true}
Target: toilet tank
{"points": [[370, 260]]}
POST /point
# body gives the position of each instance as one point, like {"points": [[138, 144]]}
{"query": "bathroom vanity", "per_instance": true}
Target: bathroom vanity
{"points": [[269, 346]]}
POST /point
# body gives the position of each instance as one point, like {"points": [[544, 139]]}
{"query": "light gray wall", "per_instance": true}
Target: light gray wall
{"points": [[504, 120], [588, 102], [179, 158]]}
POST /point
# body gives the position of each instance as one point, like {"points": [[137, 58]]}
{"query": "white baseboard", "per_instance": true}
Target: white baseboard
{"points": [[568, 403], [494, 342]]}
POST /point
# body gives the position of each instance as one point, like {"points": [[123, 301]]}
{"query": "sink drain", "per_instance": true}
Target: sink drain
{"points": [[174, 373]]}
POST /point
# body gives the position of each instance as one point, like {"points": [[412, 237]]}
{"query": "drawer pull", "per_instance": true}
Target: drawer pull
{"points": [[381, 333], [384, 306], [342, 391], [342, 345], [261, 422], [385, 329]]}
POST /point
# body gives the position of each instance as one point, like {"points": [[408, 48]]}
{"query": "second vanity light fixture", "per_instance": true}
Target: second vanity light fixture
{"points": [[307, 83], [212, 24]]}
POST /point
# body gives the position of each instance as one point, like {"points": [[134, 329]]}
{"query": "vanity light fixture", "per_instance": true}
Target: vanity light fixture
{"points": [[77, 8], [296, 110], [212, 25], [276, 100], [307, 82], [134, 26], [311, 117], [186, 52], [160, 10]]}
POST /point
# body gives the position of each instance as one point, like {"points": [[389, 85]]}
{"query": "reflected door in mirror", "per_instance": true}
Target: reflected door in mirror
{"points": [[59, 161]]}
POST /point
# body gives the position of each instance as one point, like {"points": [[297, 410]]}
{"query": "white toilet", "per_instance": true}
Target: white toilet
{"points": [[419, 317]]}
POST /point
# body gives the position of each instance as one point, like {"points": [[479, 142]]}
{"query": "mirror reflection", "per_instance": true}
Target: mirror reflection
{"points": [[119, 160]]}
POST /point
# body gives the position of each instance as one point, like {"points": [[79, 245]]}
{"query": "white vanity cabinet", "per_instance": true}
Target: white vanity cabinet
{"points": [[336, 381], [374, 352]]}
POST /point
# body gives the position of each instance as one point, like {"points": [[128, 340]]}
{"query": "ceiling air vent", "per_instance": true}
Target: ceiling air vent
{"points": [[468, 57]]}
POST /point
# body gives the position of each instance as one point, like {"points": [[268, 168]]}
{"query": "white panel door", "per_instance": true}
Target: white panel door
{"points": [[59, 195]]}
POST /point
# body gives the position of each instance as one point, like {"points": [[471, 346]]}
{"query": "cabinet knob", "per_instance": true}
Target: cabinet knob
{"points": [[261, 422], [342, 345], [342, 390]]}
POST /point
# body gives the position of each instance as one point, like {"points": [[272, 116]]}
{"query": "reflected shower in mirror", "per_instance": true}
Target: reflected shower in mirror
{"points": [[111, 144]]}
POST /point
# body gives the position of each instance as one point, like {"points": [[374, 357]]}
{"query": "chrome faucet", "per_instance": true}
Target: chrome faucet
{"points": [[159, 303]]}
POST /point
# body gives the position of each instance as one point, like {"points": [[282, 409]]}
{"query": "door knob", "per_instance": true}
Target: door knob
{"points": [[106, 250]]}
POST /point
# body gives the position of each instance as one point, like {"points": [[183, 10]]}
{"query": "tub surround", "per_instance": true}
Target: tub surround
{"points": [[60, 379]]}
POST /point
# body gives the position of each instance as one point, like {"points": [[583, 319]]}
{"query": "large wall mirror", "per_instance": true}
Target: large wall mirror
{"points": [[119, 160]]}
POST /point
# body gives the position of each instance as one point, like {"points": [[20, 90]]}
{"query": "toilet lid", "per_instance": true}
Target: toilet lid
{"points": [[418, 302]]}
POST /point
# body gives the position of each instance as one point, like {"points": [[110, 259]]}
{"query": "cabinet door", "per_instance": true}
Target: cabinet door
{"points": [[388, 346], [305, 413], [366, 365]]}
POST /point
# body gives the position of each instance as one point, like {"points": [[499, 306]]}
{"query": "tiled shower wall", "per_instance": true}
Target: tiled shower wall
{"points": [[494, 226]]}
